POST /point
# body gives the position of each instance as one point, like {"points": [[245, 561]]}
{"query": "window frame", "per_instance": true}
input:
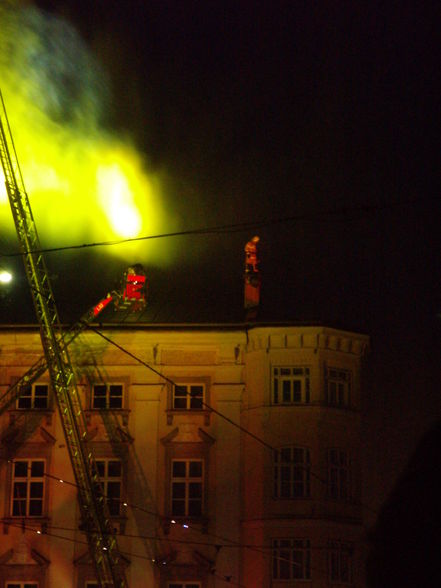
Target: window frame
{"points": [[105, 480], [190, 450], [339, 475], [21, 584], [188, 396], [105, 452], [184, 584], [298, 473], [28, 480], [188, 380], [299, 388], [187, 481], [336, 551], [341, 380], [286, 555], [33, 396], [107, 396]]}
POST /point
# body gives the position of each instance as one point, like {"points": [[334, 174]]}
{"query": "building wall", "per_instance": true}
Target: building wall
{"points": [[312, 423], [168, 534]]}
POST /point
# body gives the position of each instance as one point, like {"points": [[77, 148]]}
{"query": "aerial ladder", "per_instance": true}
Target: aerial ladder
{"points": [[95, 518], [131, 296]]}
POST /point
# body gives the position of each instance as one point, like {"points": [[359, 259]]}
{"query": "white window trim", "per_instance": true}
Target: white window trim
{"points": [[278, 558], [338, 549], [188, 396], [335, 475], [341, 378], [106, 479], [187, 480], [185, 584], [28, 480], [277, 383], [32, 397], [21, 584], [304, 467], [107, 397]]}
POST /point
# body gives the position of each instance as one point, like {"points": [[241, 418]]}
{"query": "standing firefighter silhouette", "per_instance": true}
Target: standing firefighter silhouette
{"points": [[133, 288], [252, 279]]}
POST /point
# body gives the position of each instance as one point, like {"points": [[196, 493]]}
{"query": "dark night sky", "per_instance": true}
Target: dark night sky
{"points": [[261, 110]]}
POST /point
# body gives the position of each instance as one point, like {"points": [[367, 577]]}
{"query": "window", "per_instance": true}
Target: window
{"points": [[21, 585], [27, 488], [338, 387], [291, 559], [292, 472], [187, 487], [34, 396], [110, 473], [188, 396], [340, 562], [290, 385], [338, 475], [107, 396]]}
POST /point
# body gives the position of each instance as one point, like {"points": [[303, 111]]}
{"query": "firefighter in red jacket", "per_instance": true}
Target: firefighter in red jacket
{"points": [[134, 287], [252, 278], [251, 260]]}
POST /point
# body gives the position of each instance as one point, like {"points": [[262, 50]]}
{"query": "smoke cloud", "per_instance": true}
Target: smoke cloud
{"points": [[84, 183]]}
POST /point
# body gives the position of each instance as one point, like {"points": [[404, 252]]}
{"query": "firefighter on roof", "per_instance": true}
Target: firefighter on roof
{"points": [[251, 260], [134, 287], [252, 278]]}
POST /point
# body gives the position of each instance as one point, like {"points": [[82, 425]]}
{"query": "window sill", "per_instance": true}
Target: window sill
{"points": [[122, 412], [292, 498], [118, 523], [299, 403], [344, 501], [36, 523], [172, 412], [298, 582], [17, 413], [199, 523]]}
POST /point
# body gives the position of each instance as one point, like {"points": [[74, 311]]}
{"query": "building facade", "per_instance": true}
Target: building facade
{"points": [[227, 454]]}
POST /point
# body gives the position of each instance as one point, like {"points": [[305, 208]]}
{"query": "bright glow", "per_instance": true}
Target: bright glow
{"points": [[84, 183], [117, 201], [5, 277]]}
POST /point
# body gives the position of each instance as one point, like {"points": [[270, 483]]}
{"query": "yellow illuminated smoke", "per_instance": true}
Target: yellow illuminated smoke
{"points": [[84, 184], [115, 193]]}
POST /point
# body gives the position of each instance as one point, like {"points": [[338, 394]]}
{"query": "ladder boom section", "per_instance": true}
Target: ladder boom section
{"points": [[95, 517], [40, 366]]}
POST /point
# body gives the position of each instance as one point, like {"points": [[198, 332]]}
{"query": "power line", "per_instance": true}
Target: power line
{"points": [[233, 227], [215, 411], [160, 561], [218, 413], [229, 543], [211, 409], [226, 578]]}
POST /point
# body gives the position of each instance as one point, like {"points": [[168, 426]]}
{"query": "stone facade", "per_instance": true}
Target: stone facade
{"points": [[229, 453]]}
